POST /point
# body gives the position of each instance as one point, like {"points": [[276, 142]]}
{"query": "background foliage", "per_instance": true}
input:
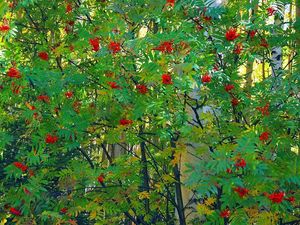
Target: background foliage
{"points": [[149, 112]]}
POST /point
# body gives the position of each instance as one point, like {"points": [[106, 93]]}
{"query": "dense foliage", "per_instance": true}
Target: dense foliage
{"points": [[142, 111]]}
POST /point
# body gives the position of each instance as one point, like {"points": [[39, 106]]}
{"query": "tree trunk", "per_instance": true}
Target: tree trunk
{"points": [[249, 80], [178, 192], [145, 175], [276, 58]]}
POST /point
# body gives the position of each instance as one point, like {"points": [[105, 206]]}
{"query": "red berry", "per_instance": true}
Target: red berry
{"points": [[206, 78], [238, 48], [165, 47], [64, 210], [170, 3], [231, 34], [252, 33], [271, 11], [291, 199], [15, 211], [114, 47], [240, 163], [241, 191], [228, 170], [264, 43], [21, 166], [142, 88], [114, 85], [276, 197], [100, 179], [95, 43], [69, 8], [229, 87], [125, 122], [69, 94], [44, 56], [264, 136], [234, 102], [4, 28], [51, 139], [225, 213], [26, 191], [166, 79], [13, 73], [44, 98]]}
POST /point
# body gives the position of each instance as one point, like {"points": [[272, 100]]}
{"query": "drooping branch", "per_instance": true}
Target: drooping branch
{"points": [[87, 157]]}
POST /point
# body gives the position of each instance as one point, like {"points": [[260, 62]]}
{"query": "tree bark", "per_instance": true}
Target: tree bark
{"points": [[145, 175], [276, 58], [178, 192]]}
